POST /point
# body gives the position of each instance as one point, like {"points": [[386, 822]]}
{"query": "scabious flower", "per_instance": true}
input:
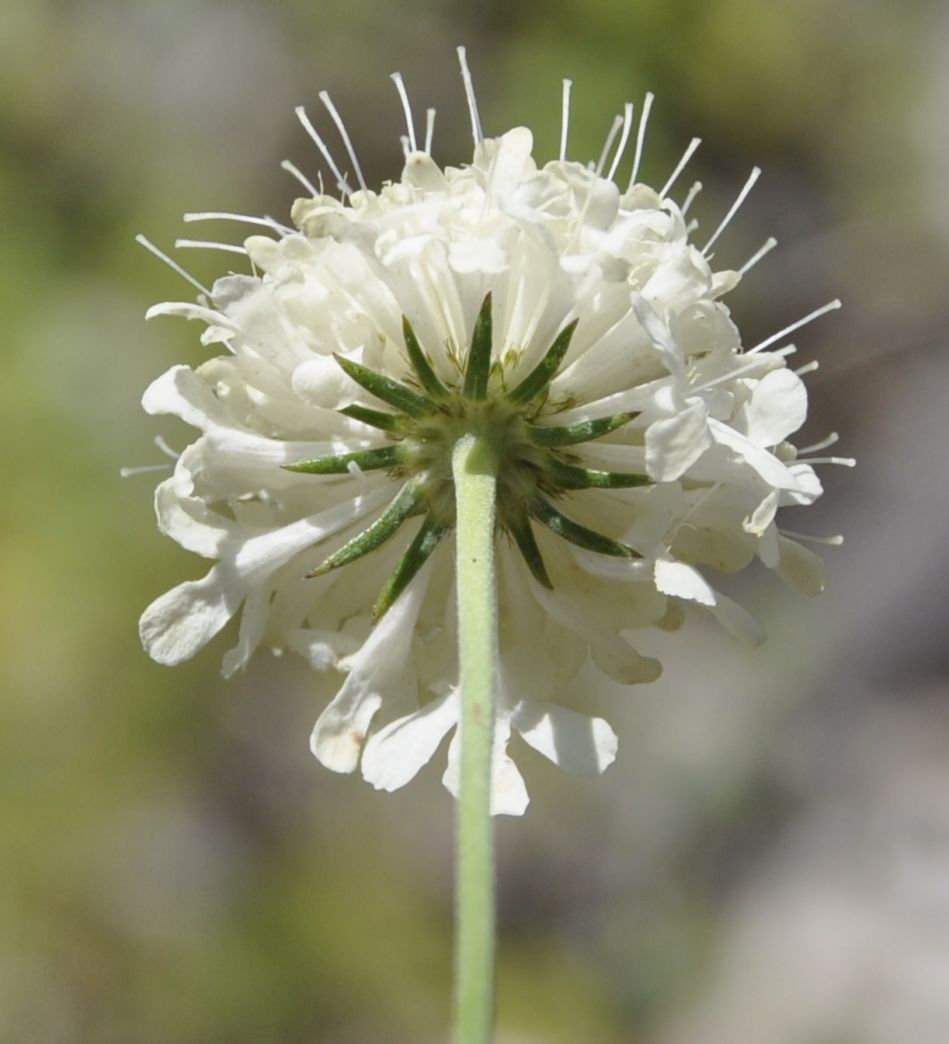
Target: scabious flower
{"points": [[572, 320]]}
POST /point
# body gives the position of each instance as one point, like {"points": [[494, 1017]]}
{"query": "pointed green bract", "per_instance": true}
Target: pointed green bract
{"points": [[573, 434], [390, 422], [423, 368], [416, 555], [581, 536], [406, 504], [571, 476], [386, 389], [365, 460], [478, 366], [515, 521], [543, 373]]}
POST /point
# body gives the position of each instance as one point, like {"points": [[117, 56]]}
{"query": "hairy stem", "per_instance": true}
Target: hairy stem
{"points": [[474, 468]]}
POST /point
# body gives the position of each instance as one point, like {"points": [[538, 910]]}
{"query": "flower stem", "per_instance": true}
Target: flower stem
{"points": [[474, 469]]}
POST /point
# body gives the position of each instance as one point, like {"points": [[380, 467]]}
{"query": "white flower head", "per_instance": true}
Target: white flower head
{"points": [[572, 321]]}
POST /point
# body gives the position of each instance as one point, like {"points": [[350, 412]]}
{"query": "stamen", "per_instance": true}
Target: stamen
{"points": [[749, 184], [207, 244], [828, 541], [769, 244], [627, 126], [216, 215], [842, 462], [142, 469], [165, 448], [810, 367], [693, 192], [429, 129], [832, 439], [640, 137], [470, 95], [301, 177], [406, 108], [341, 182], [832, 306], [406, 145], [680, 166], [608, 144], [340, 126], [565, 119], [173, 265]]}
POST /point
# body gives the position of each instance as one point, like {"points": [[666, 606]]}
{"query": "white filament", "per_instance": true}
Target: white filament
{"points": [[692, 193], [624, 137], [173, 265], [641, 136], [340, 126], [565, 119], [324, 151], [406, 109], [680, 166], [470, 95], [769, 244], [832, 439], [219, 215], [816, 314], [429, 129], [726, 220], [208, 244], [291, 168], [608, 144]]}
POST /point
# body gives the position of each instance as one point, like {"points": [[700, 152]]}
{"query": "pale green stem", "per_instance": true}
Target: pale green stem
{"points": [[474, 468]]}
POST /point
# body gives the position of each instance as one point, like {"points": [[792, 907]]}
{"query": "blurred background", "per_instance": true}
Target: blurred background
{"points": [[768, 860]]}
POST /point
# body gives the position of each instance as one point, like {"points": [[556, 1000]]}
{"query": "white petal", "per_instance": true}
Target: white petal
{"points": [[189, 310], [737, 621], [179, 392], [508, 793], [510, 161], [253, 622], [674, 444], [321, 649], [763, 515], [477, 255], [764, 463], [800, 568], [176, 625], [582, 745], [683, 581], [379, 669], [659, 334], [778, 407], [188, 520], [179, 623], [395, 754]]}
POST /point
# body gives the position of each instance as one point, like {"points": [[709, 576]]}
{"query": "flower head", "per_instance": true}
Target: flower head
{"points": [[568, 320]]}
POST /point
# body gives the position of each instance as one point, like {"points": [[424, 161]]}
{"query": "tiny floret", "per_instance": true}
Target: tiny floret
{"points": [[563, 315]]}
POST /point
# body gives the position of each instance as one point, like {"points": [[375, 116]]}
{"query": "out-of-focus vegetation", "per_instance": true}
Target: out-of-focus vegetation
{"points": [[768, 859]]}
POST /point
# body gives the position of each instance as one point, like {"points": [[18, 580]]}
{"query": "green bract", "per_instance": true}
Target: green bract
{"points": [[424, 432]]}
